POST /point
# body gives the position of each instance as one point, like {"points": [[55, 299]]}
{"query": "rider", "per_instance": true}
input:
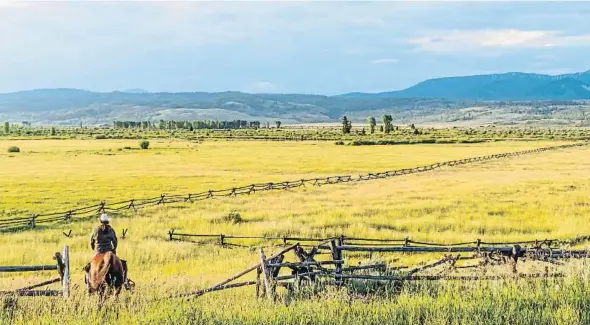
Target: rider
{"points": [[103, 237]]}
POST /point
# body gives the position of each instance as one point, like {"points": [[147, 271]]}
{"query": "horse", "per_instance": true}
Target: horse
{"points": [[106, 272]]}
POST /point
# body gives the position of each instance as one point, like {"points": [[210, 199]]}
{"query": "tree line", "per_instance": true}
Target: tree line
{"points": [[386, 128]]}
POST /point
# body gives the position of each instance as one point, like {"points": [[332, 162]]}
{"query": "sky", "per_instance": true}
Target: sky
{"points": [[282, 46]]}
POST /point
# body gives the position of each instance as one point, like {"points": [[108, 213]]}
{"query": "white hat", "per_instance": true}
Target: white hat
{"points": [[104, 218]]}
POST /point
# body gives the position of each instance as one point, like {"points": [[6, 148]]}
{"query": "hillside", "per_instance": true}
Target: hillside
{"points": [[439, 100], [74, 106], [507, 86]]}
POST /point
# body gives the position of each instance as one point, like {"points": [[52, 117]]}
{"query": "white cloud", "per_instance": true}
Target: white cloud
{"points": [[384, 61], [11, 3], [462, 40]]}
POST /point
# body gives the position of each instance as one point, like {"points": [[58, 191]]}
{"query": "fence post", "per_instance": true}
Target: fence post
{"points": [[66, 277], [337, 256], [33, 223], [267, 276], [132, 205], [101, 209]]}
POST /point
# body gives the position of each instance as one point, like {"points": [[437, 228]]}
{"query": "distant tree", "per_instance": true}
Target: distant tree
{"points": [[363, 132], [6, 127], [372, 123], [412, 126], [381, 128], [144, 144], [53, 132], [387, 122], [278, 124], [346, 125]]}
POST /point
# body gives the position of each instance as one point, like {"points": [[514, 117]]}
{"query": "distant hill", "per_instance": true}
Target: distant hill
{"points": [[72, 106], [434, 100], [136, 91], [506, 86]]}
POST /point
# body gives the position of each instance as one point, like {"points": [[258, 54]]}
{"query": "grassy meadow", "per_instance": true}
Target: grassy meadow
{"points": [[538, 196]]}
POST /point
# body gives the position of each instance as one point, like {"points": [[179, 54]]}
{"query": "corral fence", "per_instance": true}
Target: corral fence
{"points": [[62, 266], [32, 221], [306, 269]]}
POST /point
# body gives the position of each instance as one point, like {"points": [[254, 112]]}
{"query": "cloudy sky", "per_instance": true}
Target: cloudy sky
{"points": [[283, 46]]}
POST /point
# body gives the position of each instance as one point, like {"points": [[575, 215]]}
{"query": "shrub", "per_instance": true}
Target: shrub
{"points": [[339, 143], [100, 137], [14, 149], [144, 144], [446, 141], [232, 217]]}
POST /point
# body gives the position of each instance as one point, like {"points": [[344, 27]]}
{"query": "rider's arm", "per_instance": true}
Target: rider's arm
{"points": [[93, 239], [114, 239]]}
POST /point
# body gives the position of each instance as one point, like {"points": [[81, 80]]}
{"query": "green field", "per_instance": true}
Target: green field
{"points": [[531, 197]]}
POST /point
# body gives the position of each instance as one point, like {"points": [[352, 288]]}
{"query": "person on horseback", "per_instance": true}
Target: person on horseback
{"points": [[104, 239]]}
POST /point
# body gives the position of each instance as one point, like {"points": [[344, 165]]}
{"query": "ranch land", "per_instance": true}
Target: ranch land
{"points": [[530, 197]]}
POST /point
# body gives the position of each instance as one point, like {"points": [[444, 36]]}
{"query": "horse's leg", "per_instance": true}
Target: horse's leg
{"points": [[118, 291], [102, 294], [87, 283]]}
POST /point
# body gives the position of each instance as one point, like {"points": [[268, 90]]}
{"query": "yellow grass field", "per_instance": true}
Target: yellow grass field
{"points": [[538, 196]]}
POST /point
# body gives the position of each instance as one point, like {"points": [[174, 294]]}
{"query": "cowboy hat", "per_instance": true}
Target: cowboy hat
{"points": [[104, 218]]}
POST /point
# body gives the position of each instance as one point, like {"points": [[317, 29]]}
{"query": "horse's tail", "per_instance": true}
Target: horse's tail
{"points": [[102, 273]]}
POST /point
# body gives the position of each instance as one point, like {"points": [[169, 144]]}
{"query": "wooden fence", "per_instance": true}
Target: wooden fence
{"points": [[397, 244], [63, 268], [306, 269], [32, 221]]}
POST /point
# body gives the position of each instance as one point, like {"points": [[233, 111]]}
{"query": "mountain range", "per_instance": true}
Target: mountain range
{"points": [[506, 86], [450, 96]]}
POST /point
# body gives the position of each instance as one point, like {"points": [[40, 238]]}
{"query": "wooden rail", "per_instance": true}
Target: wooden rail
{"points": [[62, 266], [31, 268], [387, 244]]}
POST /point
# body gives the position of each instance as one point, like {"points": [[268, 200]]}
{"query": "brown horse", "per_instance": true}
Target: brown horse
{"points": [[106, 272]]}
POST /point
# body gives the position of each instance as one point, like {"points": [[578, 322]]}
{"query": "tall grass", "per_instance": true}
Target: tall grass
{"points": [[534, 197]]}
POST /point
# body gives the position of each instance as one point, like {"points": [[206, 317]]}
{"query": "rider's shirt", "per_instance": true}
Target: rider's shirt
{"points": [[103, 239]]}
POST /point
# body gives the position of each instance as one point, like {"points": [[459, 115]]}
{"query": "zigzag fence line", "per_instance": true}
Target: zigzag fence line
{"points": [[32, 221]]}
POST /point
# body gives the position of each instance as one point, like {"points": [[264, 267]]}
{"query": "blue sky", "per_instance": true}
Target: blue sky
{"points": [[282, 46]]}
